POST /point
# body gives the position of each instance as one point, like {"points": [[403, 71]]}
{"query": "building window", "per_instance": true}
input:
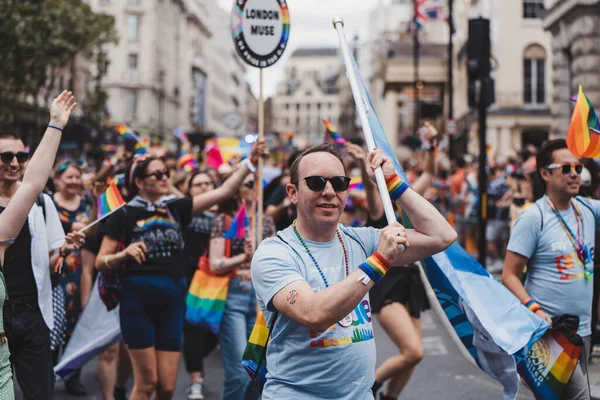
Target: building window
{"points": [[319, 106], [134, 2], [131, 103], [287, 106], [132, 62], [133, 22], [298, 107], [534, 75], [102, 63], [199, 100], [533, 9]]}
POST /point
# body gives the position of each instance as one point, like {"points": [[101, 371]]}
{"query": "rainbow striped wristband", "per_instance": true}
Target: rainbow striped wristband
{"points": [[375, 267], [532, 305], [396, 187]]}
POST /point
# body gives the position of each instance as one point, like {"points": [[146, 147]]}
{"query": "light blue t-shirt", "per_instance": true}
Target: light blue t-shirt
{"points": [[555, 276], [338, 363]]}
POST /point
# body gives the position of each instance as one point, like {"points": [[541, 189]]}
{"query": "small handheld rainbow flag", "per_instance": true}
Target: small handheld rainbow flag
{"points": [[253, 359], [238, 225], [127, 132], [330, 132], [141, 147], [180, 134], [356, 183], [109, 201], [118, 179], [187, 162], [583, 138]]}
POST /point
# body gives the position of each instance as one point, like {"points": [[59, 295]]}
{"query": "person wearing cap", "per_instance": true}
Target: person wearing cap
{"points": [[313, 280], [554, 238]]}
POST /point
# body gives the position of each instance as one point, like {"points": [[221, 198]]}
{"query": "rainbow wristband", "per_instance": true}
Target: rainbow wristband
{"points": [[375, 267], [396, 187], [532, 305]]}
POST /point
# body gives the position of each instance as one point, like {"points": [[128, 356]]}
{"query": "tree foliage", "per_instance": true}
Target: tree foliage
{"points": [[39, 37]]}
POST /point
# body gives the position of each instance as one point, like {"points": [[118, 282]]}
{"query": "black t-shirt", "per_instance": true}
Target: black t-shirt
{"points": [[18, 271], [160, 230], [197, 236], [289, 214]]}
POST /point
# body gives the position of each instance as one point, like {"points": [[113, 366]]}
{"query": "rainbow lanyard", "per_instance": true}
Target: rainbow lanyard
{"points": [[578, 243]]}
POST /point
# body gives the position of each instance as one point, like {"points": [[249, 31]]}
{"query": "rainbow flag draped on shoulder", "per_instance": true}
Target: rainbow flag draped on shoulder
{"points": [[488, 319]]}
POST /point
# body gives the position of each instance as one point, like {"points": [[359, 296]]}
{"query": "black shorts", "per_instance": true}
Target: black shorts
{"points": [[401, 285]]}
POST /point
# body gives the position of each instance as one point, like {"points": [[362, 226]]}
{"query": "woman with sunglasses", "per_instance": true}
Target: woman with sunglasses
{"points": [[234, 255], [152, 303], [16, 212], [198, 342], [75, 211]]}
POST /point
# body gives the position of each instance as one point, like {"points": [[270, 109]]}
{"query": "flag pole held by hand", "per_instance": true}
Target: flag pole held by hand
{"points": [[338, 24]]}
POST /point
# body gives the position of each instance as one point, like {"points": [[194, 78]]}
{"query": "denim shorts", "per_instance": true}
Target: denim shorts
{"points": [[151, 312]]}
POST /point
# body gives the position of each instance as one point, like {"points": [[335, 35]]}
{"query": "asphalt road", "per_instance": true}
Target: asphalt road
{"points": [[443, 374]]}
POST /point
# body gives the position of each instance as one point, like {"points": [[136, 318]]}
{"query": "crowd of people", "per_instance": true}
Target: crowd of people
{"points": [[322, 271]]}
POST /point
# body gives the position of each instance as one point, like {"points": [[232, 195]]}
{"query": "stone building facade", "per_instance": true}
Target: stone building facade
{"points": [[575, 29]]}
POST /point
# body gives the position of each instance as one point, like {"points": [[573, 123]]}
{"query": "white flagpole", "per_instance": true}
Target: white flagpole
{"points": [[99, 219], [338, 24]]}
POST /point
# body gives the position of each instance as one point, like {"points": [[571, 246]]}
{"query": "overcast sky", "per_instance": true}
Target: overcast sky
{"points": [[311, 22]]}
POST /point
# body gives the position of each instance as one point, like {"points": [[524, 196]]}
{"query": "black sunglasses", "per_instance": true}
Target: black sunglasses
{"points": [[566, 168], [318, 183], [249, 184], [159, 175], [8, 156]]}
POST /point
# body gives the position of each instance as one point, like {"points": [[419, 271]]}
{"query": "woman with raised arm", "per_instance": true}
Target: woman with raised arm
{"points": [[153, 300], [15, 214]]}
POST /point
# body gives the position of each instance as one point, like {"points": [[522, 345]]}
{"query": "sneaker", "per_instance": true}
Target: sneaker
{"points": [[195, 391]]}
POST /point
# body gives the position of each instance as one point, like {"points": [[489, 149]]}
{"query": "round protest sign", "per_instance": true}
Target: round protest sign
{"points": [[261, 29]]}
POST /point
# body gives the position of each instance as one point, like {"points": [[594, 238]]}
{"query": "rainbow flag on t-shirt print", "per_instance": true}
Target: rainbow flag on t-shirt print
{"points": [[110, 200], [154, 221], [331, 132]]}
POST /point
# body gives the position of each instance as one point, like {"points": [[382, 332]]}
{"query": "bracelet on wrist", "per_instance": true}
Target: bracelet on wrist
{"points": [[532, 305], [248, 165], [55, 127], [375, 267], [396, 187]]}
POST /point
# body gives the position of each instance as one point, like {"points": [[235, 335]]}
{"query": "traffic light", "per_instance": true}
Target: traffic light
{"points": [[478, 49]]}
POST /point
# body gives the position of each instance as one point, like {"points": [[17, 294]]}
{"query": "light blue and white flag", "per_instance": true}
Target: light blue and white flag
{"points": [[96, 330], [468, 294]]}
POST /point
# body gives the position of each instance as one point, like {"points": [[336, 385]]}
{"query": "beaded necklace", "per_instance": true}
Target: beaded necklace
{"points": [[339, 235], [577, 241]]}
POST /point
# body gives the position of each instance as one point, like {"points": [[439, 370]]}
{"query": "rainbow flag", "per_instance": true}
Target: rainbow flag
{"points": [[187, 162], [255, 347], [356, 183], [127, 132], [109, 201], [330, 132], [583, 138], [205, 301], [548, 364], [141, 147], [118, 179], [237, 229]]}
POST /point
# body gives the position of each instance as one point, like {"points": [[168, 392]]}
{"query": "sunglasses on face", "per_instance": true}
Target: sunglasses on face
{"points": [[8, 156], [159, 175], [249, 184], [318, 183], [566, 168]]}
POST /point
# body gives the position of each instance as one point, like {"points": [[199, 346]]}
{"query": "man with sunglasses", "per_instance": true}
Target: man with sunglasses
{"points": [[554, 239], [312, 281]]}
